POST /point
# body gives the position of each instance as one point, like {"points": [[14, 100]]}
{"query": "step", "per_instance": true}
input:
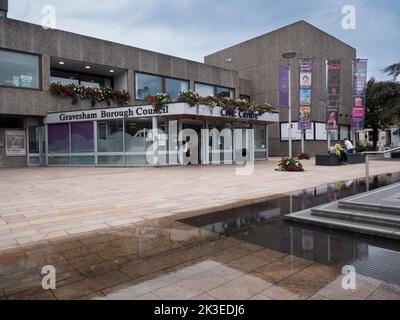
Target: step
{"points": [[370, 207], [357, 216], [338, 224]]}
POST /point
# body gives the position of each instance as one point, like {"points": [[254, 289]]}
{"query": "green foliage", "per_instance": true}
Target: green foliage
{"points": [[393, 70], [365, 147]]}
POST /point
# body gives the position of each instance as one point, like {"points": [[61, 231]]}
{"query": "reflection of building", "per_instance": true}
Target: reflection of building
{"points": [[77, 133]]}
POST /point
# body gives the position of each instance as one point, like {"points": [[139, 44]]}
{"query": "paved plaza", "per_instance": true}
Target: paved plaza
{"points": [[166, 259], [117, 233], [46, 203]]}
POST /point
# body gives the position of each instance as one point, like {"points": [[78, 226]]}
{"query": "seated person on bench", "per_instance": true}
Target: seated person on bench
{"points": [[340, 152], [349, 146]]}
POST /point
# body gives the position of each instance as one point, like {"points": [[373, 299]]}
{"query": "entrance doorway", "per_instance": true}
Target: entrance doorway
{"points": [[195, 139]]}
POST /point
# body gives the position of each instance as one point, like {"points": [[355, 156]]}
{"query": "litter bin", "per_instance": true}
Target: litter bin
{"points": [[387, 155]]}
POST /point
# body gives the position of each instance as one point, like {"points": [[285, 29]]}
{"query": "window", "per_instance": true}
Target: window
{"points": [[225, 92], [19, 70], [82, 137], [204, 90], [296, 133], [245, 97], [147, 85], [344, 132], [58, 138], [136, 137], [320, 131], [175, 87], [260, 136], [87, 80], [110, 136]]}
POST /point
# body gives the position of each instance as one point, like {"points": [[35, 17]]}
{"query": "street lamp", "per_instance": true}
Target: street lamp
{"points": [[290, 55]]}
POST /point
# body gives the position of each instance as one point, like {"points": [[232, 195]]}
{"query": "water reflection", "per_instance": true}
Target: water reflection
{"points": [[263, 224]]}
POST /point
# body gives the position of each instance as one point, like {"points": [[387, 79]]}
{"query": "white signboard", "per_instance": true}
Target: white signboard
{"points": [[15, 143], [149, 111]]}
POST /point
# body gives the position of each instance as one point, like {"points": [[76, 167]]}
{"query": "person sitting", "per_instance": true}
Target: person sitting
{"points": [[331, 151], [340, 152], [349, 146]]}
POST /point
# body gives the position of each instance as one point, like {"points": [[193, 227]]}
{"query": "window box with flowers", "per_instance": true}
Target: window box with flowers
{"points": [[95, 95], [229, 104]]}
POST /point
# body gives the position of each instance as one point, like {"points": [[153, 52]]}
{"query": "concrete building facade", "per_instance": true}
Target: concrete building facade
{"points": [[248, 70], [257, 60]]}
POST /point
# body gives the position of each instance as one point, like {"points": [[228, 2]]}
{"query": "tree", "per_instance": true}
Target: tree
{"points": [[382, 106], [393, 70]]}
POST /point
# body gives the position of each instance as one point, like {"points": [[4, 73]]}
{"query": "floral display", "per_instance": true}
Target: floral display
{"points": [[193, 98], [303, 156], [108, 95], [159, 100], [289, 164], [95, 95]]}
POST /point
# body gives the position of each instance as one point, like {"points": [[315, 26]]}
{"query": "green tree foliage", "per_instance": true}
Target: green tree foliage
{"points": [[382, 106], [393, 70]]}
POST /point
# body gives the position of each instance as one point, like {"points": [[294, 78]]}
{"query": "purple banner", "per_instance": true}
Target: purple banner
{"points": [[334, 70], [359, 93], [283, 87], [305, 94]]}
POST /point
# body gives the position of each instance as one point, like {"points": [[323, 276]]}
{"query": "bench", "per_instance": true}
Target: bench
{"points": [[329, 160]]}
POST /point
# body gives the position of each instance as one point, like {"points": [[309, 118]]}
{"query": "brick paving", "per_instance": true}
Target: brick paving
{"points": [[46, 203]]}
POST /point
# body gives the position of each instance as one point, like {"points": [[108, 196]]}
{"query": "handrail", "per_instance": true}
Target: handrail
{"points": [[366, 154], [380, 152]]}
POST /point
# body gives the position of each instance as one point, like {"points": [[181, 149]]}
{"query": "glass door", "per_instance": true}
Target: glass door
{"points": [[36, 145]]}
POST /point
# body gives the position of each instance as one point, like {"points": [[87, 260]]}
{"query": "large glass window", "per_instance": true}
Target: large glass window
{"points": [[110, 136], [204, 90], [19, 70], [58, 138], [82, 137], [175, 87], [137, 131], [147, 85], [87, 80]]}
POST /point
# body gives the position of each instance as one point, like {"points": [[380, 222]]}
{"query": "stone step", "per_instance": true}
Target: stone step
{"points": [[370, 207], [352, 226], [335, 212]]}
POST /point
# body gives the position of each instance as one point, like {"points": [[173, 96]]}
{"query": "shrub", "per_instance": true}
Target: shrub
{"points": [[290, 164]]}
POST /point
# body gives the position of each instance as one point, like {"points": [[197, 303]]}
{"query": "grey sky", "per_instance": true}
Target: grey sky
{"points": [[193, 29]]}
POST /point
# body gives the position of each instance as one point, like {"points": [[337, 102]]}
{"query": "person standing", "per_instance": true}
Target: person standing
{"points": [[340, 152], [349, 146], [187, 149]]}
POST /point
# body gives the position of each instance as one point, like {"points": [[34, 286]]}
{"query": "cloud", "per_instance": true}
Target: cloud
{"points": [[194, 28]]}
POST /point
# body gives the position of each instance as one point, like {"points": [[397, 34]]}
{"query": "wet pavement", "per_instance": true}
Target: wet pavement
{"points": [[48, 203], [247, 253]]}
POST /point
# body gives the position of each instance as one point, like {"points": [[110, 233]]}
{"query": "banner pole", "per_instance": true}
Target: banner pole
{"points": [[290, 111]]}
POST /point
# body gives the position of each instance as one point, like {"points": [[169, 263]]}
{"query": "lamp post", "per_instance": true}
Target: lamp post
{"points": [[290, 55]]}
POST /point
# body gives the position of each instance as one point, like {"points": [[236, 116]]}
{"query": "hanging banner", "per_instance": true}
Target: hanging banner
{"points": [[334, 68], [305, 94], [359, 93], [283, 87]]}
